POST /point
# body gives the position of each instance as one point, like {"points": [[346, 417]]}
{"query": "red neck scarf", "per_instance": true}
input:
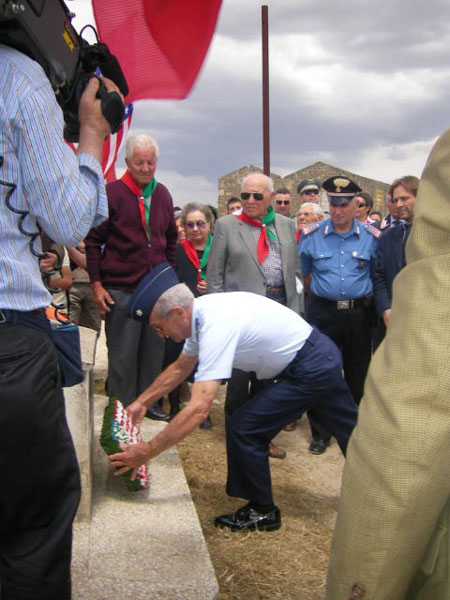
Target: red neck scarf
{"points": [[192, 255], [144, 207], [262, 246]]}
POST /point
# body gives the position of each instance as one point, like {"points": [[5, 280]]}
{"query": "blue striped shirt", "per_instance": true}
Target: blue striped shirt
{"points": [[64, 193]]}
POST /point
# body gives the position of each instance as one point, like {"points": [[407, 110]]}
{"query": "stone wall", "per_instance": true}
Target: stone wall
{"points": [[229, 185]]}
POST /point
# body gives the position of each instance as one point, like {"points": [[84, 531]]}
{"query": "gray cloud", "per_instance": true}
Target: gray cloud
{"points": [[360, 84]]}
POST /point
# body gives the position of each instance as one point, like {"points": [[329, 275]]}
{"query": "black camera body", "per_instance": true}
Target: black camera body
{"points": [[42, 30]]}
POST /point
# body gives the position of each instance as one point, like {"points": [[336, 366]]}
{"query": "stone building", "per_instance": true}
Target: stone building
{"points": [[229, 185]]}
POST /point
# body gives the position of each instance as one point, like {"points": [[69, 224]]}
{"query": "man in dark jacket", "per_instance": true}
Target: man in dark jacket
{"points": [[139, 235], [390, 258]]}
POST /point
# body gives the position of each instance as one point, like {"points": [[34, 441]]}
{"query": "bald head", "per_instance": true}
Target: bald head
{"points": [[256, 195]]}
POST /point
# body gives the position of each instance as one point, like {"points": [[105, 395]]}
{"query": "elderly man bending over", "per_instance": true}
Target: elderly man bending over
{"points": [[253, 333]]}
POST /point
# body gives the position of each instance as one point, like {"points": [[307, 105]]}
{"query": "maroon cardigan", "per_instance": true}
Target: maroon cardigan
{"points": [[117, 251]]}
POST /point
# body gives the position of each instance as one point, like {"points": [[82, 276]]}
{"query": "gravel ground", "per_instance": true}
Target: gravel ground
{"points": [[285, 564]]}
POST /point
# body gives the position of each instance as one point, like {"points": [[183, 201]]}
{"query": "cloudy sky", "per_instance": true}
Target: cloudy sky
{"points": [[358, 84]]}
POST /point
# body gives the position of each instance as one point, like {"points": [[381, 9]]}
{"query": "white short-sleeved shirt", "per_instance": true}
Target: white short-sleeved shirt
{"points": [[244, 331]]}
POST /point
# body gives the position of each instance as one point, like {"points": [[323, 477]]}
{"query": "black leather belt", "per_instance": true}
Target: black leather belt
{"points": [[340, 304], [273, 289], [24, 317]]}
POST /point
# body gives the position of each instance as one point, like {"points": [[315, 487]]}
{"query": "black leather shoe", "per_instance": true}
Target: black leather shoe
{"points": [[156, 413], [247, 519], [318, 446], [207, 423]]}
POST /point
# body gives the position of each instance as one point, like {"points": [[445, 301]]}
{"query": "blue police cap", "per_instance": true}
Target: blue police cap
{"points": [[340, 189], [154, 284], [308, 184]]}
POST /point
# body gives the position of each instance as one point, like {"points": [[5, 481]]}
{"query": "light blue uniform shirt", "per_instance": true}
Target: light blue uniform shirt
{"points": [[63, 193], [340, 264]]}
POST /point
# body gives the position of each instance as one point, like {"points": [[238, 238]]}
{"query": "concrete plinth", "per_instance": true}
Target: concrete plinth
{"points": [[131, 545], [141, 545], [79, 412]]}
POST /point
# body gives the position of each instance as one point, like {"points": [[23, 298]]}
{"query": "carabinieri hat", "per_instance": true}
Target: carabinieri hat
{"points": [[340, 189], [154, 284]]}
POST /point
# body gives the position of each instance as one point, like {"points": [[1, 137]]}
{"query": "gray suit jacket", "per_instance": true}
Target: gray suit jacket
{"points": [[233, 263]]}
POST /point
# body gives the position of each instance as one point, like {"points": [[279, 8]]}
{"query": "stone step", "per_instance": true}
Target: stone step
{"points": [[141, 545]]}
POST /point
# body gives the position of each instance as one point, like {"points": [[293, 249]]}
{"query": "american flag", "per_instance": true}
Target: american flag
{"points": [[112, 146]]}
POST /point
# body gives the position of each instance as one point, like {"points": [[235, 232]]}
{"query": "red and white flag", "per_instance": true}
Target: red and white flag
{"points": [[160, 44]]}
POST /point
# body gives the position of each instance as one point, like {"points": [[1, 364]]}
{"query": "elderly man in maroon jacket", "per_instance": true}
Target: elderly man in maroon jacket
{"points": [[139, 234]]}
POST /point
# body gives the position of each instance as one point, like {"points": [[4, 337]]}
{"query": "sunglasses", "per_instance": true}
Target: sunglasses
{"points": [[361, 205], [283, 202], [199, 224], [309, 192], [256, 195]]}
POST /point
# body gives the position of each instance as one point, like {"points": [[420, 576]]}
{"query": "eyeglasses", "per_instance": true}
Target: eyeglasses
{"points": [[160, 329], [309, 192], [283, 202], [199, 224], [362, 205], [256, 195]]}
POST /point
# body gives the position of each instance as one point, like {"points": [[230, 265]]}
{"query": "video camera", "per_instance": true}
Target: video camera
{"points": [[42, 30]]}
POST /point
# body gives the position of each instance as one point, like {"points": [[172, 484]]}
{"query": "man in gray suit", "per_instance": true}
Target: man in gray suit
{"points": [[254, 252]]}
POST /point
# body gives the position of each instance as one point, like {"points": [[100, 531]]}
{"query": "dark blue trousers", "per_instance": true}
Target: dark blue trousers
{"points": [[312, 381]]}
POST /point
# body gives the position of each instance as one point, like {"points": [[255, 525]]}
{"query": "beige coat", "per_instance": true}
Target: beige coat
{"points": [[396, 484]]}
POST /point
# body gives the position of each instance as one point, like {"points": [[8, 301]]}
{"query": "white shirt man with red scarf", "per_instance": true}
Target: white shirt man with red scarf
{"points": [[139, 235], [254, 251]]}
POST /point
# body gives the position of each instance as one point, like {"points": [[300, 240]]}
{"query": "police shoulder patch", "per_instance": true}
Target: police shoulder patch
{"points": [[311, 227], [373, 230]]}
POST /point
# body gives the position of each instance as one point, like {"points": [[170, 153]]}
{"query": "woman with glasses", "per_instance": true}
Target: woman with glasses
{"points": [[197, 220]]}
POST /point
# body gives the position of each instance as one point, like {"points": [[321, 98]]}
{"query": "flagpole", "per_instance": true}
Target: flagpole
{"points": [[265, 88]]}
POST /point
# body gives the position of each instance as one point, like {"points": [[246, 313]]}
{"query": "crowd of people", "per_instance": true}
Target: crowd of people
{"points": [[332, 274], [320, 266], [285, 309]]}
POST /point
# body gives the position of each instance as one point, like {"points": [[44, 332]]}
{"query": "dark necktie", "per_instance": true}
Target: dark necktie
{"points": [[406, 227]]}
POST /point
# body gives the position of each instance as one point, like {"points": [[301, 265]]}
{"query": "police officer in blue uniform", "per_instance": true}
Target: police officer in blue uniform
{"points": [[337, 258]]}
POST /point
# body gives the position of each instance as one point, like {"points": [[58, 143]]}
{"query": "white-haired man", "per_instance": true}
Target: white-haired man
{"points": [[252, 333], [309, 212], [254, 251], [139, 235]]}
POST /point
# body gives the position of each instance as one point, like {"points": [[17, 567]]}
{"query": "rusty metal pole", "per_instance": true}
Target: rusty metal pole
{"points": [[265, 88]]}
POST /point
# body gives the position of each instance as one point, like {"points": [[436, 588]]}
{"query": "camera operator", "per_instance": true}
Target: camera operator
{"points": [[65, 195]]}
